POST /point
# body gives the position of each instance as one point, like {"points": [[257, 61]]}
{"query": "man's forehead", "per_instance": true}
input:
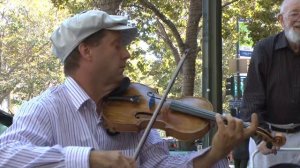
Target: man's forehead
{"points": [[114, 35], [117, 37], [292, 5]]}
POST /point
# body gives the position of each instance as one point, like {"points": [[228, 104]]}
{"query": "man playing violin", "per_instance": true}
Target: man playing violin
{"points": [[273, 86], [63, 126]]}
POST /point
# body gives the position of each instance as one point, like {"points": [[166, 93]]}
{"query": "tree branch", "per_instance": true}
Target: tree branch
{"points": [[192, 30], [229, 3], [164, 35], [4, 94], [164, 19]]}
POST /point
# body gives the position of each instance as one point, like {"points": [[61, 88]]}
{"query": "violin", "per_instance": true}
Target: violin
{"points": [[188, 118]]}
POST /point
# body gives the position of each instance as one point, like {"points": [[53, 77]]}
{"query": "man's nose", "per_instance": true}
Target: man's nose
{"points": [[125, 53]]}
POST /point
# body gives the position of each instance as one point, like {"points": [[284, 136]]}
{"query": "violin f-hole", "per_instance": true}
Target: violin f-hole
{"points": [[141, 115], [134, 99]]}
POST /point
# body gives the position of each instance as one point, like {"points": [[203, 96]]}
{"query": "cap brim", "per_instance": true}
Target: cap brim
{"points": [[128, 33]]}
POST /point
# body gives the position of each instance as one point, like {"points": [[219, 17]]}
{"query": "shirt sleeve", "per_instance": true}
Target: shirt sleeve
{"points": [[28, 142], [254, 98], [155, 153]]}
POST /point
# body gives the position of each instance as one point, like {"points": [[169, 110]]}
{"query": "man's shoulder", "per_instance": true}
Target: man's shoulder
{"points": [[49, 99], [270, 39], [52, 94]]}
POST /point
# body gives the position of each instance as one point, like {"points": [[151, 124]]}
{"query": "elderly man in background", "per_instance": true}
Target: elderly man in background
{"points": [[273, 87]]}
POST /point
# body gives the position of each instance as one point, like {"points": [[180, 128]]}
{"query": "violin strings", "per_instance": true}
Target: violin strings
{"points": [[181, 107], [195, 111]]}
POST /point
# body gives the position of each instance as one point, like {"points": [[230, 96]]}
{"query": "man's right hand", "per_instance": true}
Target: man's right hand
{"points": [[110, 159]]}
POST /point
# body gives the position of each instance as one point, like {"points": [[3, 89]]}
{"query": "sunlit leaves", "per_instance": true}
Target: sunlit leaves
{"points": [[73, 5], [27, 65]]}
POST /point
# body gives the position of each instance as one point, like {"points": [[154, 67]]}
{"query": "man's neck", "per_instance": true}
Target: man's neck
{"points": [[95, 89], [295, 47]]}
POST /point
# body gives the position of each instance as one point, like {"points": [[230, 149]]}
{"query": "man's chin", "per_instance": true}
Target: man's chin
{"points": [[119, 78], [293, 35], [296, 31]]}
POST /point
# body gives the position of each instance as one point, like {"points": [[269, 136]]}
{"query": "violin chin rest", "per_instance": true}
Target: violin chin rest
{"points": [[112, 133]]}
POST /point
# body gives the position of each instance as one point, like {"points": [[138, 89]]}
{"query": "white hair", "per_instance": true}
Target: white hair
{"points": [[292, 35], [283, 5]]}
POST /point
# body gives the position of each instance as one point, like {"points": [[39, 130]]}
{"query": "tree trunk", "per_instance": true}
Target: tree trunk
{"points": [[192, 31], [188, 70], [3, 95]]}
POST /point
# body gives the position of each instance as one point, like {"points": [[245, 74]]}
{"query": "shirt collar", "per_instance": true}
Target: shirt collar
{"points": [[281, 42], [77, 95]]}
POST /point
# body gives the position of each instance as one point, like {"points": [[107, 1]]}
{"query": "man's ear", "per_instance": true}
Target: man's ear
{"points": [[84, 51], [280, 19]]}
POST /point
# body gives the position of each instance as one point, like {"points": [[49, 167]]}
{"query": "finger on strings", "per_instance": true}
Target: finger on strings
{"points": [[220, 122], [231, 122]]}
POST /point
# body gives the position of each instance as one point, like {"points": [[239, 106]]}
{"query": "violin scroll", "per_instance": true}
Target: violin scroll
{"points": [[278, 139]]}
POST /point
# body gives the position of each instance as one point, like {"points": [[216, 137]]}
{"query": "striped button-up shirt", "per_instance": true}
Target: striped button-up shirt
{"points": [[60, 127]]}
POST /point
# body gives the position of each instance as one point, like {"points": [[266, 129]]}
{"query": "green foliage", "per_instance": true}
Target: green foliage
{"points": [[27, 66], [244, 34], [74, 6], [163, 65], [260, 16], [260, 22], [264, 22]]}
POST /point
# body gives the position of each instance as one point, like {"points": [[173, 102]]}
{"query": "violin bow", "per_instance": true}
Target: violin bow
{"points": [[158, 108]]}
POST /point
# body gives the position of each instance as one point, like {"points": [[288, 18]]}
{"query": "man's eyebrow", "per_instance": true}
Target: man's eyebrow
{"points": [[117, 39], [295, 10], [115, 42]]}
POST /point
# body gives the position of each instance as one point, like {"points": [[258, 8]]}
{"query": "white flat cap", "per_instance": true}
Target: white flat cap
{"points": [[78, 27]]}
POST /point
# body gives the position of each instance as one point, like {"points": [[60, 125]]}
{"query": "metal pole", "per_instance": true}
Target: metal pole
{"points": [[212, 56]]}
